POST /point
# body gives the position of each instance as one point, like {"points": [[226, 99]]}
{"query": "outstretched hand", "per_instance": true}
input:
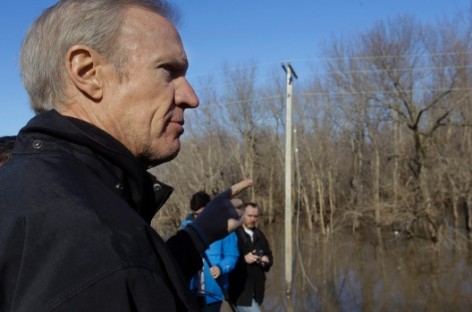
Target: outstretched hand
{"points": [[220, 216], [234, 223]]}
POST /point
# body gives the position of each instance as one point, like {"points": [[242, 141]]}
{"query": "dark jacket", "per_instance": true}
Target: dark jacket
{"points": [[74, 226], [247, 281]]}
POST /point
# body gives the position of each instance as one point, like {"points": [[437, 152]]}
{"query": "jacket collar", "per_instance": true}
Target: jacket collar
{"points": [[143, 192]]}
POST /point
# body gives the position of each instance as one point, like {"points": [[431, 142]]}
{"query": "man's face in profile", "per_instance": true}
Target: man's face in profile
{"points": [[147, 104]]}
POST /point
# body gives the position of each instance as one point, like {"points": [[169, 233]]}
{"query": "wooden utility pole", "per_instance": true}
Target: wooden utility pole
{"points": [[288, 178]]}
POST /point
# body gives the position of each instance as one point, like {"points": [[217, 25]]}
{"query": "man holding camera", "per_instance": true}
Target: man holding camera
{"points": [[247, 281]]}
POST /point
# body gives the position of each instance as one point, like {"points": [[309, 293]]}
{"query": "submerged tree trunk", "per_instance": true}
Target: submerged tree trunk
{"points": [[377, 187], [332, 205], [322, 204]]}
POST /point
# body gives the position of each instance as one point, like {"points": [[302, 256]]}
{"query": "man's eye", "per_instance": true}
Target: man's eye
{"points": [[172, 71]]}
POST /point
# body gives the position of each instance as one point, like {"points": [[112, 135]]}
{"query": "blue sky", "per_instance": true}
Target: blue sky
{"points": [[236, 32]]}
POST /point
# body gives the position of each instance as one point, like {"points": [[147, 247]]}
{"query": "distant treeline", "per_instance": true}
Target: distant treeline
{"points": [[383, 133]]}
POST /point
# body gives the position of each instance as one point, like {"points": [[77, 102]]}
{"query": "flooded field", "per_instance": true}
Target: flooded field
{"points": [[345, 272]]}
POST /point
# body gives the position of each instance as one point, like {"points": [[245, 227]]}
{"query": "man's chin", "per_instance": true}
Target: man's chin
{"points": [[157, 159]]}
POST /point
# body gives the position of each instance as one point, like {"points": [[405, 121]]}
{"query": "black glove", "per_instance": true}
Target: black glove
{"points": [[212, 223]]}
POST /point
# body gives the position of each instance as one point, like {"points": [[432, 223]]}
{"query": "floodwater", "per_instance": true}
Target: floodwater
{"points": [[346, 272]]}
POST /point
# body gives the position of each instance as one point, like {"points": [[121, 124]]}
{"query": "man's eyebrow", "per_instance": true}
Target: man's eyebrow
{"points": [[180, 65]]}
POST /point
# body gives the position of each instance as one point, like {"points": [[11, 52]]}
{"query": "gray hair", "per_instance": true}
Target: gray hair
{"points": [[94, 23]]}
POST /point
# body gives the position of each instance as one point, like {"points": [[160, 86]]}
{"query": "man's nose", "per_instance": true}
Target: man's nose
{"points": [[184, 94]]}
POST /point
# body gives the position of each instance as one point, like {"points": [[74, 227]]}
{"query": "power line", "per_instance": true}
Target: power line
{"points": [[325, 59], [331, 93], [370, 92], [360, 71]]}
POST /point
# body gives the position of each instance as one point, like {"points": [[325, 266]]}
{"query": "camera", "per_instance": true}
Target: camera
{"points": [[259, 253]]}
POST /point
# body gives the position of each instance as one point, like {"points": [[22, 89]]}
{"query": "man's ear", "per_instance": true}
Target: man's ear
{"points": [[82, 68]]}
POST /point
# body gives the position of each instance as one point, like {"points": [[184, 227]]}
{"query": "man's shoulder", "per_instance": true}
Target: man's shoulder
{"points": [[258, 230], [230, 239], [259, 233], [239, 230]]}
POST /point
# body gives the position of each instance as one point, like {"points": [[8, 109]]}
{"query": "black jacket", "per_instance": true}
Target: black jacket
{"points": [[247, 281], [75, 208]]}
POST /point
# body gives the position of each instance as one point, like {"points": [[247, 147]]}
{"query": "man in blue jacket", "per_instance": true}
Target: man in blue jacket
{"points": [[211, 282], [107, 81]]}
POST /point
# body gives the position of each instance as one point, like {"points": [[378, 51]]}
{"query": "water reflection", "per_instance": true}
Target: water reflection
{"points": [[344, 272]]}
